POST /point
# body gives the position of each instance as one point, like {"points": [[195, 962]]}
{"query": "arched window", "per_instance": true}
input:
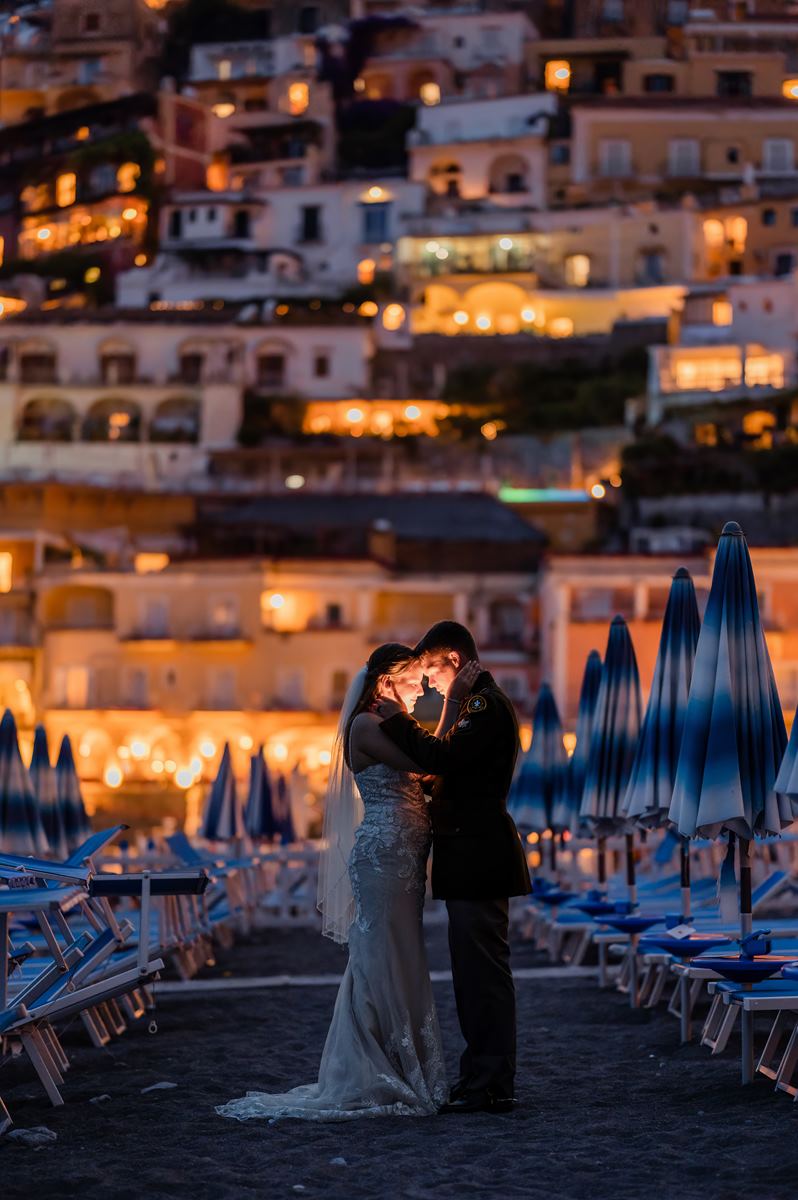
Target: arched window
{"points": [[117, 362], [47, 419], [176, 420], [509, 173], [112, 420]]}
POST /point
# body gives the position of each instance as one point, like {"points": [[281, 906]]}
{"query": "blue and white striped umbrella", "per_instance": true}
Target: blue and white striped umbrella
{"points": [[650, 791], [613, 741], [540, 776], [223, 819], [77, 825], [42, 777], [258, 814], [734, 735], [21, 830], [569, 801], [282, 812], [787, 778]]}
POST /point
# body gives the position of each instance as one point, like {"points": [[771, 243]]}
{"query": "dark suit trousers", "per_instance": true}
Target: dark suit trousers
{"points": [[484, 992]]}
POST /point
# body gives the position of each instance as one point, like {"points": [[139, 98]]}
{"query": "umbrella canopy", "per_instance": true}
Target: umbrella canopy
{"points": [[21, 830], [540, 777], [648, 796], [734, 735], [616, 729], [77, 825], [259, 819], [787, 778], [223, 819], [282, 812], [42, 777], [569, 800]]}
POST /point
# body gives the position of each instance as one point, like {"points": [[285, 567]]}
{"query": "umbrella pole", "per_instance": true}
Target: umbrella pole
{"points": [[746, 921], [601, 851], [631, 873], [684, 865]]}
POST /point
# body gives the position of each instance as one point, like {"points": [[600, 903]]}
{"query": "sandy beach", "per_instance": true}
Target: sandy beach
{"points": [[611, 1106]]}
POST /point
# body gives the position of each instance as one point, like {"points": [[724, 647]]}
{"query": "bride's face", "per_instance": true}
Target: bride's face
{"points": [[408, 684]]}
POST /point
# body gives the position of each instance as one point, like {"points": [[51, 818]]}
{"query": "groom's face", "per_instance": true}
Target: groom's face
{"points": [[440, 669]]}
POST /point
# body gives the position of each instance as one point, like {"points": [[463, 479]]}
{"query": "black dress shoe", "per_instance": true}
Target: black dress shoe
{"points": [[471, 1102]]}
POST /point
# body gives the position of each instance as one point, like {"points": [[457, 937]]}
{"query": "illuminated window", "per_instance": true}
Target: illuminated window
{"points": [[722, 312], [365, 270], [393, 317], [430, 94], [577, 270], [65, 189], [765, 370], [561, 327], [714, 233], [737, 232], [760, 425], [224, 68], [711, 374], [6, 566], [558, 75], [298, 98], [148, 561], [706, 434], [127, 176]]}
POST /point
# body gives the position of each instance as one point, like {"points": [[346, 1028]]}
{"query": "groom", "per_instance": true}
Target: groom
{"points": [[478, 860]]}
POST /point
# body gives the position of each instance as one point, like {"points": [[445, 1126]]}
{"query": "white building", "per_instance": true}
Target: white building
{"points": [[148, 396], [252, 244]]}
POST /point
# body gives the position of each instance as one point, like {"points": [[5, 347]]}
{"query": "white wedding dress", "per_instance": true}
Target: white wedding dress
{"points": [[383, 1055]]}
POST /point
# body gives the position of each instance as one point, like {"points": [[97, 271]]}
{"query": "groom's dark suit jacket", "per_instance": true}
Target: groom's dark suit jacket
{"points": [[477, 853]]}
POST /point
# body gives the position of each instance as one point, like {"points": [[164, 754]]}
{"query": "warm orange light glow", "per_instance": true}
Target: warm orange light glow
{"points": [[561, 327], [223, 109], [722, 312], [365, 270], [368, 309], [489, 431], [127, 176], [430, 93], [298, 98], [789, 89], [569, 742], [598, 491], [393, 317], [460, 317], [65, 189], [557, 75], [6, 572], [140, 260], [148, 561]]}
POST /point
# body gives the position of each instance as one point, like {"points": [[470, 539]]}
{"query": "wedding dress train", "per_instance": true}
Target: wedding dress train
{"points": [[383, 1055]]}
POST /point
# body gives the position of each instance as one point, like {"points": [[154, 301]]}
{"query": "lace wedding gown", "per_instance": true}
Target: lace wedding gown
{"points": [[383, 1054]]}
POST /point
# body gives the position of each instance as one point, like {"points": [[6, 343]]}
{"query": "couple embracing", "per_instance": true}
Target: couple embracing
{"points": [[383, 1055]]}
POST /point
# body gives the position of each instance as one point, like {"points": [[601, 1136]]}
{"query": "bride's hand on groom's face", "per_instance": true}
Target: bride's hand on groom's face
{"points": [[463, 681]]}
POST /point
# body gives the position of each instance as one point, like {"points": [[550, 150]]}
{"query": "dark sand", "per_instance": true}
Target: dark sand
{"points": [[612, 1106]]}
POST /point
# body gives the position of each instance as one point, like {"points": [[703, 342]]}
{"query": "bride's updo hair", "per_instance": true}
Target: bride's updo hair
{"points": [[387, 660]]}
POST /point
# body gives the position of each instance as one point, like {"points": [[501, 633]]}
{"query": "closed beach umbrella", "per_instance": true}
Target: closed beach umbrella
{"points": [[77, 825], [569, 801], [223, 820], [540, 777], [21, 830], [42, 777], [613, 742], [282, 812], [650, 791], [258, 813], [787, 779], [734, 736]]}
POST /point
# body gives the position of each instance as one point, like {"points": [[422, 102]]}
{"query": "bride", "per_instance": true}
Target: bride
{"points": [[383, 1054]]}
